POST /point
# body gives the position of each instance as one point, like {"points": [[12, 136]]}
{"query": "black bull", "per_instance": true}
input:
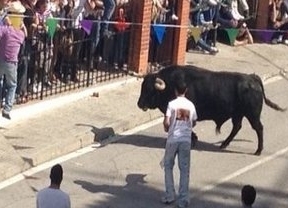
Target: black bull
{"points": [[217, 96]]}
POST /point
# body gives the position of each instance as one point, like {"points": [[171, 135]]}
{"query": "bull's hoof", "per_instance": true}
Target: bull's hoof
{"points": [[258, 152]]}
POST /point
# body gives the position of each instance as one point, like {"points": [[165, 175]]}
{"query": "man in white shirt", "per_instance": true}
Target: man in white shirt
{"points": [[180, 117], [52, 196]]}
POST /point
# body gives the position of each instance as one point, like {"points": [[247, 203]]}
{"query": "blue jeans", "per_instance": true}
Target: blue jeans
{"points": [[10, 71], [109, 6], [182, 150]]}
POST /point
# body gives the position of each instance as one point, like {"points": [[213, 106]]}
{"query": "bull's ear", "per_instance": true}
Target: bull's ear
{"points": [[159, 84]]}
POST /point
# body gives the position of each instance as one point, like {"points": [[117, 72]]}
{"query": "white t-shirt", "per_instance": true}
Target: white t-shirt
{"points": [[49, 197], [182, 113]]}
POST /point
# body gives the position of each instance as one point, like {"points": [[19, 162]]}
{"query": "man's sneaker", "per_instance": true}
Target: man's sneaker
{"points": [[213, 50], [167, 200], [6, 115]]}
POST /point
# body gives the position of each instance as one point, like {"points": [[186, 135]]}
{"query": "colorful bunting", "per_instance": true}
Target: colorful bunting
{"points": [[232, 34], [52, 25], [87, 26], [195, 32], [159, 31], [16, 21], [265, 35], [121, 26]]}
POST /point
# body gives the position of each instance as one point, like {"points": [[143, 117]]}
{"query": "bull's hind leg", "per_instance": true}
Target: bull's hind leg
{"points": [[237, 124], [258, 127]]}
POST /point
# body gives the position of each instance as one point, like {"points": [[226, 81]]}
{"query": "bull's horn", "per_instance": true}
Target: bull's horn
{"points": [[159, 84]]}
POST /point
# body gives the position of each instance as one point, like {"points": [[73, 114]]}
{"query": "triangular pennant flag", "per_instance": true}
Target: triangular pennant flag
{"points": [[87, 26], [195, 32], [121, 26], [265, 35], [159, 31], [232, 34], [16, 21], [52, 25]]}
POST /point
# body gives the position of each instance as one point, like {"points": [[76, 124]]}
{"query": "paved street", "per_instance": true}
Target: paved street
{"points": [[127, 173]]}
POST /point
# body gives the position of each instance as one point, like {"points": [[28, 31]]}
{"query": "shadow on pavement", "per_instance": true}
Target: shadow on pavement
{"points": [[159, 142]]}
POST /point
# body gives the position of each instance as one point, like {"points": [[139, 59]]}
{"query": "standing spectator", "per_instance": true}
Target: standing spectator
{"points": [[178, 122], [53, 196], [3, 10], [109, 7], [11, 38], [42, 44], [25, 57]]}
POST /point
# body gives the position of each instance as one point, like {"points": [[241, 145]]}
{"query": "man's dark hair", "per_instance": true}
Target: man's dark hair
{"points": [[180, 82], [181, 87], [56, 174], [248, 195]]}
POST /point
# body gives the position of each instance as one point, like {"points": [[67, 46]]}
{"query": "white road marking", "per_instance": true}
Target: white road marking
{"points": [[242, 171]]}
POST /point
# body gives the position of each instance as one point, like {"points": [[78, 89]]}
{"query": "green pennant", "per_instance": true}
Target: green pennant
{"points": [[232, 34], [52, 25]]}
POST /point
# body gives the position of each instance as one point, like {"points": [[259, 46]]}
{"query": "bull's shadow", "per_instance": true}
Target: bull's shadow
{"points": [[159, 142]]}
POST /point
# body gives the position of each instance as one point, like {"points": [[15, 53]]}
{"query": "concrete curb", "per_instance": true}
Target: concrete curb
{"points": [[55, 145]]}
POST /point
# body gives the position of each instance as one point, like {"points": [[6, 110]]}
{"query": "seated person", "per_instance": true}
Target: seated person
{"points": [[278, 20], [244, 36], [204, 17], [230, 17]]}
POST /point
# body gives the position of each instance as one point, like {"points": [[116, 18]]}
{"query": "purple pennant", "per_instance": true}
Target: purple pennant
{"points": [[266, 35], [87, 25]]}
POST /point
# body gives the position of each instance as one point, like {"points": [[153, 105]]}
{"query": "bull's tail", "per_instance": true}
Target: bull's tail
{"points": [[267, 101]]}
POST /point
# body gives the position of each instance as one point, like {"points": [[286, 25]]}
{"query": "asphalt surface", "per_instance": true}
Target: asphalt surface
{"points": [[125, 171], [39, 132]]}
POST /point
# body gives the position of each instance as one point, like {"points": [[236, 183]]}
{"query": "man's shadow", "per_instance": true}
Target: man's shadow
{"points": [[135, 193]]}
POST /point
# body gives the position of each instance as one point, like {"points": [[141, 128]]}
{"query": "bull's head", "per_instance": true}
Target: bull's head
{"points": [[150, 97]]}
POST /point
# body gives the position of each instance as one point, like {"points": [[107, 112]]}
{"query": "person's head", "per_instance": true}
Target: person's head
{"points": [[180, 87], [15, 10], [42, 5], [4, 3], [248, 195], [56, 174], [180, 83]]}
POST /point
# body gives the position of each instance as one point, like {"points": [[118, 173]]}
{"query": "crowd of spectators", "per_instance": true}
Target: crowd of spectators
{"points": [[45, 58], [215, 15]]}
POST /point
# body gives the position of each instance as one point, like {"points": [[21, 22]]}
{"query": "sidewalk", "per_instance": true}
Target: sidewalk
{"points": [[44, 130]]}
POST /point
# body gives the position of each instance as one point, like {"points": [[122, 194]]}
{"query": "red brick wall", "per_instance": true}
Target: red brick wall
{"points": [[180, 41], [262, 15], [140, 34]]}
